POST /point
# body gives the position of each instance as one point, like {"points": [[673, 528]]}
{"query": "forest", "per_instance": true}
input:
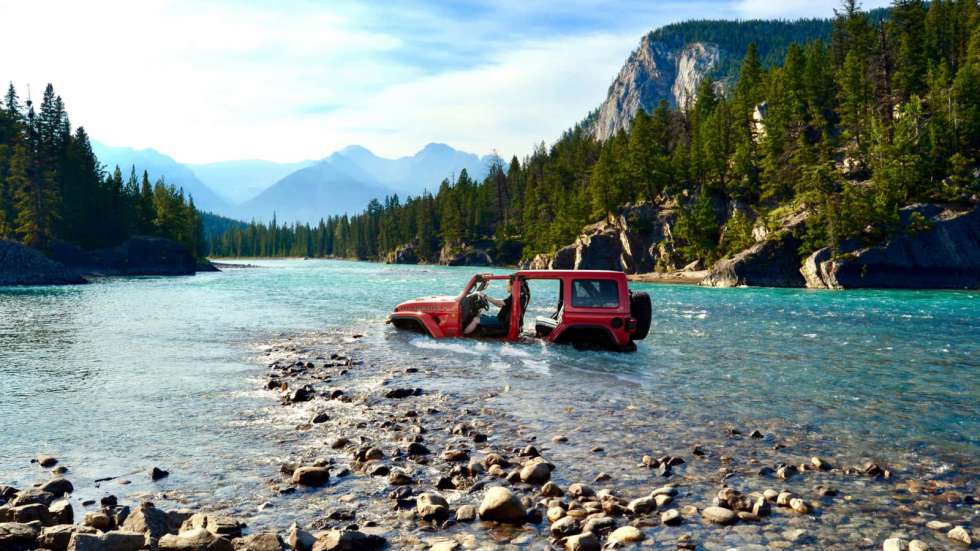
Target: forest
{"points": [[882, 114], [54, 190]]}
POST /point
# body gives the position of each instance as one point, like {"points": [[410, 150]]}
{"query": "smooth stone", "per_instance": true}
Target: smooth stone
{"points": [[564, 527], [938, 525], [444, 546], [799, 506], [550, 489], [718, 515], [960, 534], [311, 476], [431, 506], [299, 539], [578, 489], [500, 504], [535, 473], [668, 490], [58, 486], [46, 460], [918, 545], [466, 513], [642, 505], [582, 542], [895, 544], [626, 534], [670, 517], [554, 513], [348, 540]]}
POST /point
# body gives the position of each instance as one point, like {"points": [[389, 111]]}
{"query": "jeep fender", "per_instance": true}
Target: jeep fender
{"points": [[423, 323]]}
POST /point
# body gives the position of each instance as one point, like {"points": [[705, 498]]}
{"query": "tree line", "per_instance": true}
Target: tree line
{"points": [[884, 113], [53, 188]]}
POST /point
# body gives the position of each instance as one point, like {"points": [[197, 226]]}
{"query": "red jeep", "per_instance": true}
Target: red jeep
{"points": [[595, 309]]}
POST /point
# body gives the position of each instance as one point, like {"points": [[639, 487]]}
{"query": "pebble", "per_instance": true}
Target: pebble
{"points": [[960, 534], [626, 534], [895, 544], [311, 476], [938, 525], [670, 517], [564, 527], [466, 513], [918, 545], [535, 473], [550, 489], [582, 542]]}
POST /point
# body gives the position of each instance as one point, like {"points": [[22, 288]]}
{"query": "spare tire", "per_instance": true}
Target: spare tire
{"points": [[641, 310]]}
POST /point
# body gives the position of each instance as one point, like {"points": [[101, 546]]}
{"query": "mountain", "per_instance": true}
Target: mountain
{"points": [[239, 181], [158, 165], [671, 62], [347, 180], [314, 192]]}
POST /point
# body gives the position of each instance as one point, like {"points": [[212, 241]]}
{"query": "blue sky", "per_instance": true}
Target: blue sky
{"points": [[289, 80]]}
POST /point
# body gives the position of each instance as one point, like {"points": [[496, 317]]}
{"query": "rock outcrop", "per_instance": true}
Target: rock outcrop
{"points": [[655, 71], [462, 254], [403, 255], [137, 256], [20, 265], [939, 249], [772, 262]]}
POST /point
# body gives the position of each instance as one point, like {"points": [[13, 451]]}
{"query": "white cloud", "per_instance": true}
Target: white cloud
{"points": [[215, 79]]}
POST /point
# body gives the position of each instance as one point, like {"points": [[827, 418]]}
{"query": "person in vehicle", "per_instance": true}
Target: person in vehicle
{"points": [[494, 324]]}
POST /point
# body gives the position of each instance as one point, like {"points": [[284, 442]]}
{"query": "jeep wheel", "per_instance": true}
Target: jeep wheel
{"points": [[641, 310]]}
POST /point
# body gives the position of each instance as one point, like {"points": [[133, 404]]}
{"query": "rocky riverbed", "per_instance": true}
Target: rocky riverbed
{"points": [[402, 453]]}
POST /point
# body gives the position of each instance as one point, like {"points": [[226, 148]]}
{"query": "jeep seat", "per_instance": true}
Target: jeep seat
{"points": [[544, 326]]}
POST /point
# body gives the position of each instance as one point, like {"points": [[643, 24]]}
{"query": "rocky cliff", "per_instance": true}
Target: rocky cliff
{"points": [[938, 249], [655, 71]]}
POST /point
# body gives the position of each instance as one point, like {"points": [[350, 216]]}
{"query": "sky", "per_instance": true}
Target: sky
{"points": [[290, 80]]}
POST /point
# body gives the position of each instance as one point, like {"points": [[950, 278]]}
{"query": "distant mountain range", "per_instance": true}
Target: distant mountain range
{"points": [[304, 191]]}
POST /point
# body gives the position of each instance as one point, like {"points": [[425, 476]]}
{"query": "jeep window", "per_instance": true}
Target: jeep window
{"points": [[595, 293]]}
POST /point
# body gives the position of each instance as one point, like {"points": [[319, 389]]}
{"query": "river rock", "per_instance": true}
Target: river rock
{"points": [[564, 527], [586, 541], [197, 539], [299, 539], [29, 513], [943, 254], [961, 535], [642, 506], [219, 525], [431, 506], [895, 544], [799, 506], [311, 476], [147, 519], [14, 534], [500, 504], [670, 517], [466, 513], [56, 538], [550, 489], [535, 473], [918, 545], [110, 541], [938, 525], [579, 490], [626, 534], [96, 519], [718, 515], [265, 541], [32, 495], [348, 540], [61, 512], [58, 486]]}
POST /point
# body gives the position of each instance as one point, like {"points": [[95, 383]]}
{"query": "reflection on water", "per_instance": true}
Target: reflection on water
{"points": [[125, 374]]}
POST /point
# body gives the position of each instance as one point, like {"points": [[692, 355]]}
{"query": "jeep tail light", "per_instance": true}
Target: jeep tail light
{"points": [[631, 324]]}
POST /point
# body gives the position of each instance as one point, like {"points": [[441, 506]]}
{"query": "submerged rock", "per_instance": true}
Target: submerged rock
{"points": [[311, 476]]}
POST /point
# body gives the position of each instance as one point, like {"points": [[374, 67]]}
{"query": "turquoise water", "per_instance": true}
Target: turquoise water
{"points": [[124, 374]]}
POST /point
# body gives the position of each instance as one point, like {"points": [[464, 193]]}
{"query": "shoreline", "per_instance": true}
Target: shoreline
{"points": [[397, 448]]}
